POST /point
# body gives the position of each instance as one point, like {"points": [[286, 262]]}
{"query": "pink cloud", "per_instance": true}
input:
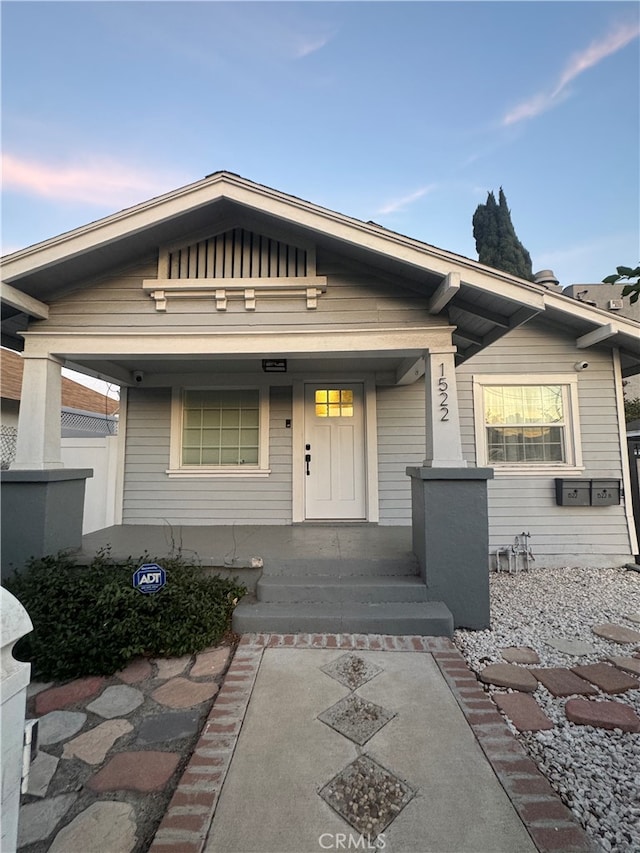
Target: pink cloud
{"points": [[97, 182], [578, 64]]}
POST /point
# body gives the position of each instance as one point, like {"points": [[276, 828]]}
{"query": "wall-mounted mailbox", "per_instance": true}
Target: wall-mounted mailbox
{"points": [[605, 492], [572, 492]]}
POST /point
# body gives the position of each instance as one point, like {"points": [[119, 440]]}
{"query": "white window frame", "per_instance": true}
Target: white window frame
{"points": [[177, 469], [573, 445]]}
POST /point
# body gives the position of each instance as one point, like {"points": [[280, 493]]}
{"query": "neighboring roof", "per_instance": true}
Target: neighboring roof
{"points": [[74, 395], [484, 305]]}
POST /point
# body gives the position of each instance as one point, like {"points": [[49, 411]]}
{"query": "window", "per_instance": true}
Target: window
{"points": [[334, 403], [527, 422], [218, 431]]}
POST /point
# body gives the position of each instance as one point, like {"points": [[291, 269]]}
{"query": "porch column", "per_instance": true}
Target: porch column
{"points": [[442, 427], [450, 527], [38, 445], [42, 501]]}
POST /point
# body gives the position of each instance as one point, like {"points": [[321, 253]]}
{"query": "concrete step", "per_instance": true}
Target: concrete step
{"points": [[354, 588], [404, 564], [426, 618]]}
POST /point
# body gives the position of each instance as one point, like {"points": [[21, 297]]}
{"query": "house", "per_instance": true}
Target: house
{"points": [[84, 411], [282, 364]]}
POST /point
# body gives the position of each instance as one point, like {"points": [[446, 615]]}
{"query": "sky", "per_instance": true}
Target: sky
{"points": [[404, 113]]}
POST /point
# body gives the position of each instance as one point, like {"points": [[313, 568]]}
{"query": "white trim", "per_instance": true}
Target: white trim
{"points": [[371, 450], [602, 333], [118, 500], [223, 289], [297, 451], [568, 381], [626, 472], [177, 469], [22, 302]]}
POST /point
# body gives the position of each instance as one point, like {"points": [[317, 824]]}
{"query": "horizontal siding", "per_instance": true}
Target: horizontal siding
{"points": [[559, 535], [118, 303], [151, 497], [401, 442]]}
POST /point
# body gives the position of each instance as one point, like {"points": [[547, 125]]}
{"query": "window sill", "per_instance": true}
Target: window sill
{"points": [[535, 470], [217, 473]]}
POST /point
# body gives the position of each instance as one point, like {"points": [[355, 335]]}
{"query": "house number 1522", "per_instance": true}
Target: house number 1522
{"points": [[443, 386]]}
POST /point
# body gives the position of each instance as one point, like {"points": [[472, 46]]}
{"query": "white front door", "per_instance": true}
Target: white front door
{"points": [[334, 451]]}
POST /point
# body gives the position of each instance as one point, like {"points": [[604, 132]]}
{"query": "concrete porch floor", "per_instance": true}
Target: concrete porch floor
{"points": [[237, 546]]}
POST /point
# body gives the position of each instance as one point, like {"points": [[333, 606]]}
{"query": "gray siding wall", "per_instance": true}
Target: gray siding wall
{"points": [[150, 497], [559, 535], [118, 303], [401, 442]]}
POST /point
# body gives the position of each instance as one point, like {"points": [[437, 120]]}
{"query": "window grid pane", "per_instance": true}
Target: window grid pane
{"points": [[220, 427], [334, 403], [525, 424]]}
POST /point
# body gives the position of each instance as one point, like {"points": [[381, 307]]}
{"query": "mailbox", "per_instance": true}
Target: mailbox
{"points": [[605, 492], [573, 492]]}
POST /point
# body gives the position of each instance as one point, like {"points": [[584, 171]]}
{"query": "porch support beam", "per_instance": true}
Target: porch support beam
{"points": [[38, 444], [23, 302], [445, 292], [442, 427], [596, 336], [410, 371]]}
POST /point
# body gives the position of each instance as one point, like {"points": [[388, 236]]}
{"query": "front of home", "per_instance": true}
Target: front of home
{"points": [[283, 364]]}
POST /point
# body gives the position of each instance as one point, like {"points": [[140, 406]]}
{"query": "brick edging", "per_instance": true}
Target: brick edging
{"points": [[185, 825], [549, 822]]}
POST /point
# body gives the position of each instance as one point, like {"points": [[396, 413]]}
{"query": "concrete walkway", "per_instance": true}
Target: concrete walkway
{"points": [[265, 775]]}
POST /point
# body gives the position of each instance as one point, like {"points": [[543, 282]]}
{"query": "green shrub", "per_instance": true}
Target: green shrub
{"points": [[89, 620]]}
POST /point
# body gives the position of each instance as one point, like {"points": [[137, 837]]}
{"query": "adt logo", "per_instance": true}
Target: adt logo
{"points": [[149, 578]]}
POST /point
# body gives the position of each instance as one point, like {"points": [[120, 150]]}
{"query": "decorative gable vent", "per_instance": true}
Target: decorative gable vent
{"points": [[236, 265], [238, 254]]}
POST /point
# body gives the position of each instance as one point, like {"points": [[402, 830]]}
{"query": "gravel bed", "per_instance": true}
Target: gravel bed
{"points": [[596, 772]]}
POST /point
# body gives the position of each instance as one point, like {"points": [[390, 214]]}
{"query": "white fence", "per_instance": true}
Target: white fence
{"points": [[101, 454]]}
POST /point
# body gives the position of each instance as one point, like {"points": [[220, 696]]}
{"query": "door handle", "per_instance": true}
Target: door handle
{"points": [[307, 460]]}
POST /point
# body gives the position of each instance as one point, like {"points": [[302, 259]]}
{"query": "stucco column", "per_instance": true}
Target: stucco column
{"points": [[443, 444], [38, 445]]}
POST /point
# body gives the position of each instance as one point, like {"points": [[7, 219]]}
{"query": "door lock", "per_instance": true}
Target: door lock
{"points": [[307, 460]]}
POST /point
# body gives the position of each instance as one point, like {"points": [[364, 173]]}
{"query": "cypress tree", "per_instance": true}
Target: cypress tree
{"points": [[496, 241]]}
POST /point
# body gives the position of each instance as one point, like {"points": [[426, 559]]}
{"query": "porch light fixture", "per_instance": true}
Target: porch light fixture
{"points": [[270, 365]]}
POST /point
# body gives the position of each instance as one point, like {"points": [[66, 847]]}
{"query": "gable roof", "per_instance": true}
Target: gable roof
{"points": [[74, 395], [482, 303]]}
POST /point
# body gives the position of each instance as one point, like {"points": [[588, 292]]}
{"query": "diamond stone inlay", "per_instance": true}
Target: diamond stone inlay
{"points": [[356, 718], [351, 670], [367, 796]]}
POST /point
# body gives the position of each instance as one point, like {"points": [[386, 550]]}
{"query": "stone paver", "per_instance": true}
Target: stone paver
{"points": [[59, 725], [520, 654], [523, 711], [38, 820], [562, 682], [604, 715], [135, 771], [36, 687], [58, 698], [631, 665], [170, 667], [571, 647], [509, 675], [608, 678], [93, 746], [137, 671], [41, 773], [117, 702], [171, 725], [633, 617], [102, 828], [210, 663], [617, 633], [182, 693]]}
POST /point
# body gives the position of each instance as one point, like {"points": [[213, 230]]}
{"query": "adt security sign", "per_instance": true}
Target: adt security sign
{"points": [[149, 578]]}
